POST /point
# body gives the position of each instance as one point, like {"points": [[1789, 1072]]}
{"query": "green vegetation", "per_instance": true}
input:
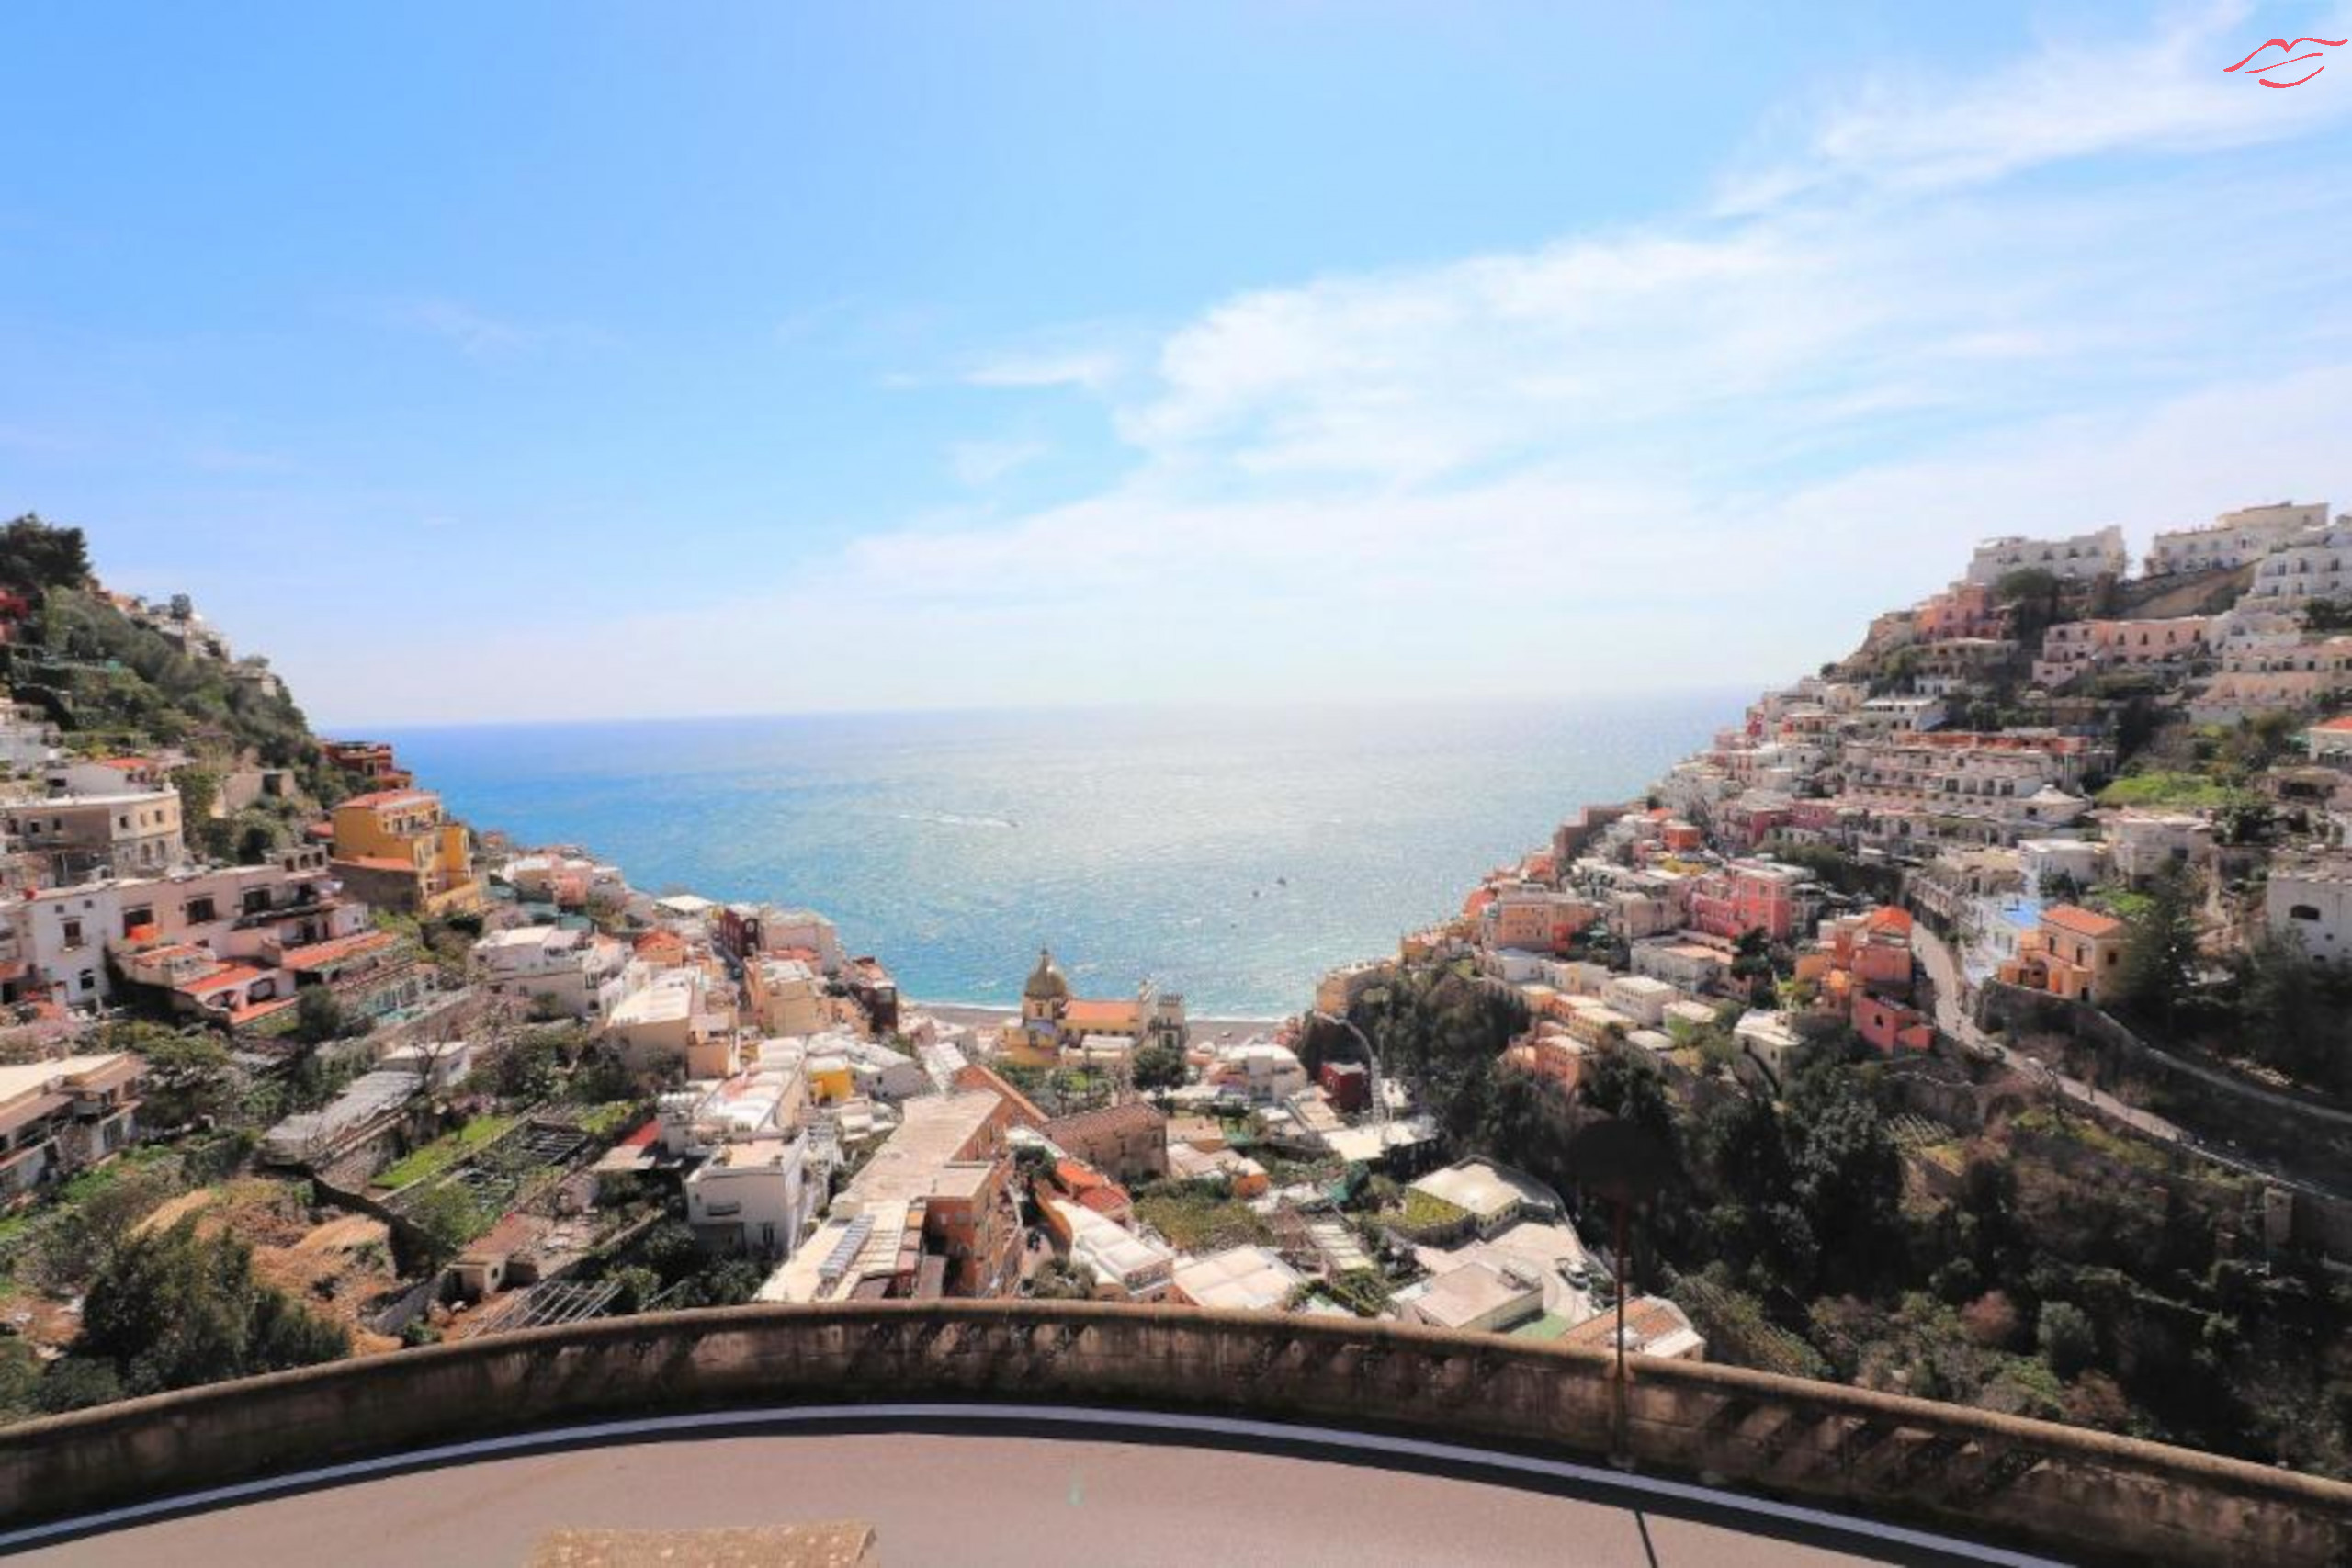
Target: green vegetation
{"points": [[34, 556], [445, 1151], [1158, 1065], [171, 1309], [1199, 1216], [2168, 788], [1418, 1214], [446, 1217], [2158, 977]]}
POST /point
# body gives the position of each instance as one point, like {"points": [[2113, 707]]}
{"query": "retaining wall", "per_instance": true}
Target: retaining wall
{"points": [[1972, 1473]]}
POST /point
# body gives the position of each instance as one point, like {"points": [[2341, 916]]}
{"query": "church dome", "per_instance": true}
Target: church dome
{"points": [[1046, 982]]}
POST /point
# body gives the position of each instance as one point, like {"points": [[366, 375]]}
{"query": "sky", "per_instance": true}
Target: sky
{"points": [[593, 360]]}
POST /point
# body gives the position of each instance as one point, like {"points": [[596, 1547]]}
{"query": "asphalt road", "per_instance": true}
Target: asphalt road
{"points": [[975, 1500], [1951, 1017]]}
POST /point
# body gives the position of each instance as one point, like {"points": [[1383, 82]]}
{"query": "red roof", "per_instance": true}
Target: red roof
{"points": [[2335, 725], [378, 863], [321, 954], [223, 979], [391, 797], [2081, 921], [1889, 919]]}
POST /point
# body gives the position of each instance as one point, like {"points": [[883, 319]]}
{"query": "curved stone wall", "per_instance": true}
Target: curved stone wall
{"points": [[1965, 1472]]}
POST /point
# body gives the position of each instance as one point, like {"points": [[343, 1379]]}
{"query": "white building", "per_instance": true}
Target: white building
{"points": [[2234, 538], [1639, 998], [670, 1018], [1265, 1071], [2312, 902], [28, 739], [751, 1196], [1239, 1278], [1494, 1195], [1768, 1037], [1687, 965], [2146, 843], [1124, 1265], [2043, 861], [2079, 557], [2316, 566], [574, 974], [1477, 1298]]}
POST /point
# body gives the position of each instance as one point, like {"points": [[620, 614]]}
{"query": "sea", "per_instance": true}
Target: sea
{"points": [[1231, 854]]}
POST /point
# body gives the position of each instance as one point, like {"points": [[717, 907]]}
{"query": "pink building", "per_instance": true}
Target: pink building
{"points": [[1746, 895], [1965, 609], [1889, 1025]]}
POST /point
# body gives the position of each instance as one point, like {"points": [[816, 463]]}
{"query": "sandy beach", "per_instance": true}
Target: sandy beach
{"points": [[1205, 1030]]}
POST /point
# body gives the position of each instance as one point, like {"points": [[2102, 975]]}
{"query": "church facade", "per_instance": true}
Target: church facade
{"points": [[1056, 1026]]}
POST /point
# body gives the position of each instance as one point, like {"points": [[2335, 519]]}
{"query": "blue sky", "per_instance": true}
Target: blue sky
{"points": [[584, 360]]}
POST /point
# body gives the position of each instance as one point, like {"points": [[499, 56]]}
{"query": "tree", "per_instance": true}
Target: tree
{"points": [[2157, 975], [35, 555], [172, 1309], [445, 1218], [190, 1074], [1158, 1065], [1848, 1173], [318, 1016], [2066, 1338], [2291, 1014]]}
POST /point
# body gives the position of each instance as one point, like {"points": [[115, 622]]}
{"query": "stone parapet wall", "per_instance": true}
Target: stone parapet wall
{"points": [[1967, 1472]]}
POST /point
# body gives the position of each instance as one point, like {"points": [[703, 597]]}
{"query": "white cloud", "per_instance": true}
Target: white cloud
{"points": [[475, 334], [1090, 371], [979, 464], [2121, 86], [1701, 450]]}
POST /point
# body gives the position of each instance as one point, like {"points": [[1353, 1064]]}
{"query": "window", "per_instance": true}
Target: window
{"points": [[256, 900], [89, 980], [2302, 912], [133, 918], [73, 933], [201, 911]]}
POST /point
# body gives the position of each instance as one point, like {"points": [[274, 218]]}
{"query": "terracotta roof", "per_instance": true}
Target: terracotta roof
{"points": [[376, 863], [1133, 1117], [1888, 919], [980, 1075], [2081, 921], [321, 954], [391, 797], [222, 979], [1646, 1318], [2335, 725], [1078, 1014]]}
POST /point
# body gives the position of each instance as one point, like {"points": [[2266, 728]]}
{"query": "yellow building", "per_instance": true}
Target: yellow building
{"points": [[1053, 1022], [397, 848]]}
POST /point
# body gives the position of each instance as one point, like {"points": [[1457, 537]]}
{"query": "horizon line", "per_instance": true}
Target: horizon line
{"points": [[1172, 705]]}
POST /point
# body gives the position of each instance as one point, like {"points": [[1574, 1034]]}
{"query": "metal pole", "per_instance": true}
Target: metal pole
{"points": [[1618, 1453]]}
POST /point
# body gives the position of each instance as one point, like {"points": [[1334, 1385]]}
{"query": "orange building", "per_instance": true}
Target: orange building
{"points": [[2075, 952]]}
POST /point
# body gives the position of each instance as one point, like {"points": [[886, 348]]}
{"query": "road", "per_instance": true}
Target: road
{"points": [[972, 1500], [1952, 1018]]}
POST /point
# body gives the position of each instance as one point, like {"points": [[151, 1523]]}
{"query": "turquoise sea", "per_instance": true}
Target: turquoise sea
{"points": [[1231, 854]]}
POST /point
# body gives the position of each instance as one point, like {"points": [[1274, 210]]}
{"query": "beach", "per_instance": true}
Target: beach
{"points": [[1202, 1031]]}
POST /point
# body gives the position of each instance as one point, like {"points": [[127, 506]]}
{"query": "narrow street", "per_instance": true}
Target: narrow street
{"points": [[1954, 1019]]}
